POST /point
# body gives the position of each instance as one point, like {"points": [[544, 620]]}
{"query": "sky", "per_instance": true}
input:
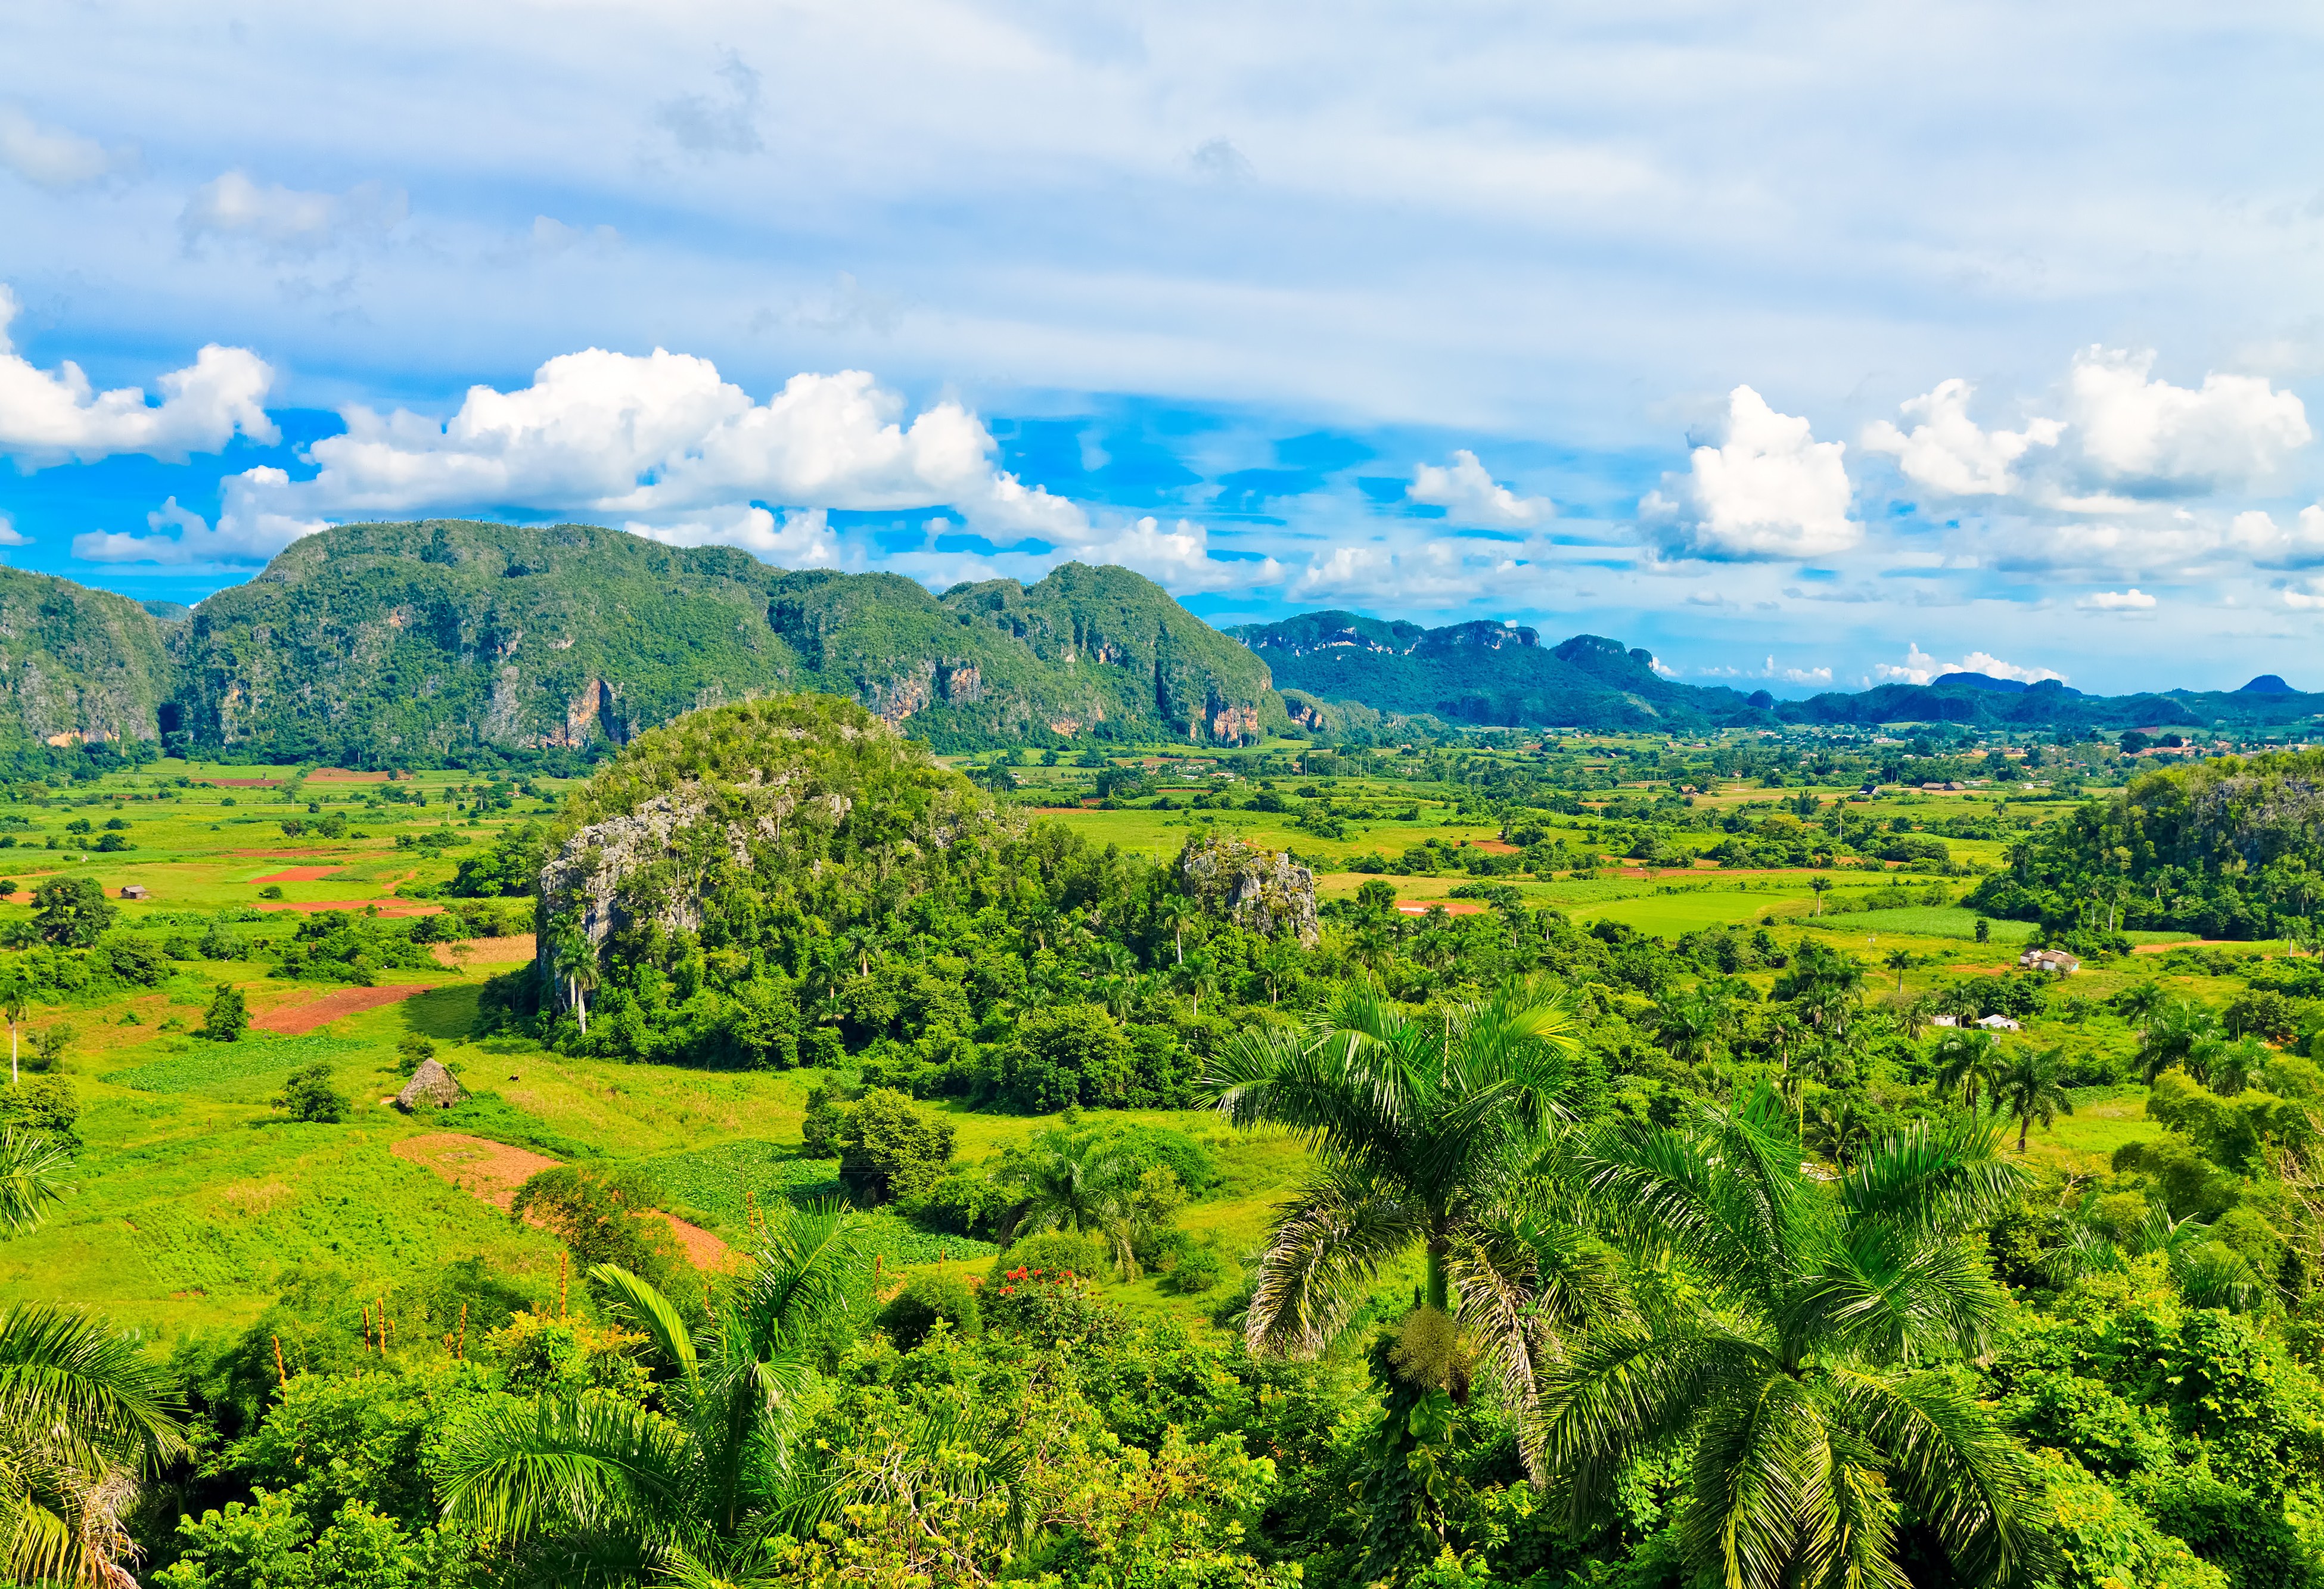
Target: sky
{"points": [[1819, 345]]}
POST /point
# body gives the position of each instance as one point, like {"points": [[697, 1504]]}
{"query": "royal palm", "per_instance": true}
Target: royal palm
{"points": [[1796, 1355]]}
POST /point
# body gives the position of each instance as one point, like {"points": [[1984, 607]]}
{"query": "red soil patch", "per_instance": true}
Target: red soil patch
{"points": [[298, 875], [512, 950], [1450, 907], [1492, 846], [278, 853], [494, 1170], [387, 907], [295, 1019], [2189, 943], [243, 782]]}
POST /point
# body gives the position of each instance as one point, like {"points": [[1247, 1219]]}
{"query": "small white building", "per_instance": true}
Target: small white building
{"points": [[2056, 961], [1999, 1023]]}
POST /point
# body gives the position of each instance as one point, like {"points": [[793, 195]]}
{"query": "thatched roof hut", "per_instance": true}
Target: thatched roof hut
{"points": [[432, 1087]]}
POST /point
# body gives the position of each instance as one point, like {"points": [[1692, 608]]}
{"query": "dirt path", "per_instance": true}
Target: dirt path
{"points": [[1450, 907], [494, 1170], [298, 875], [295, 1019]]}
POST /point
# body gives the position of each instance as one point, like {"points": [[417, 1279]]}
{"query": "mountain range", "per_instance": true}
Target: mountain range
{"points": [[454, 640]]}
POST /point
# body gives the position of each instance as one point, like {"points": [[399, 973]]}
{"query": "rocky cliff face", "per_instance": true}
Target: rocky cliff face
{"points": [[79, 664], [1262, 891]]}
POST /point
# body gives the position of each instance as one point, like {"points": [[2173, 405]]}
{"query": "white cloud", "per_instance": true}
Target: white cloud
{"points": [[2132, 600], [48, 416], [1769, 489], [285, 219], [1947, 452], [2259, 537], [10, 536], [1919, 667], [54, 159], [663, 443], [2131, 431], [1436, 573], [179, 535], [1218, 161], [550, 235], [1470, 496]]}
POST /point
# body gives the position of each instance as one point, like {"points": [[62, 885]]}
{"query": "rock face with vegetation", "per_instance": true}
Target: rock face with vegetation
{"points": [[379, 643], [76, 665], [1264, 892]]}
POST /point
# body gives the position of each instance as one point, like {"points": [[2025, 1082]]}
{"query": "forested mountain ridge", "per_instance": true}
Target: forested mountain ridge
{"points": [[77, 664], [419, 641]]}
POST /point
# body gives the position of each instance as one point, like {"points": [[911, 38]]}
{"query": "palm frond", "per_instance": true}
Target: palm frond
{"points": [[1758, 1483], [1326, 1246], [1889, 1297], [1654, 1188], [1624, 1391], [638, 1303], [32, 1177], [1945, 1458], [1943, 1177], [71, 1373], [2081, 1251], [570, 1462], [2215, 1275], [1350, 1096], [809, 1266], [1521, 1285]]}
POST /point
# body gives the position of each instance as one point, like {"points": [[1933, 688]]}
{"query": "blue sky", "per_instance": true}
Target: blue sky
{"points": [[1811, 345]]}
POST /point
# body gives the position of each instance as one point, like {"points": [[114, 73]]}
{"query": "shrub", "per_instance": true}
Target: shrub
{"points": [[888, 1150], [48, 1108], [272, 891], [71, 913], [1053, 1252], [819, 1129], [1198, 1270], [1073, 1054], [924, 1299], [310, 1095], [50, 1046], [228, 1014], [603, 1217]]}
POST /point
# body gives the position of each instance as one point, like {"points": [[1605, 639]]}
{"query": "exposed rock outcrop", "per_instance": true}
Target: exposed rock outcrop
{"points": [[1262, 891]]}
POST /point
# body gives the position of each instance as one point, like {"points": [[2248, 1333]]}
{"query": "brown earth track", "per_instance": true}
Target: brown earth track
{"points": [[295, 1019], [298, 875], [494, 1170]]}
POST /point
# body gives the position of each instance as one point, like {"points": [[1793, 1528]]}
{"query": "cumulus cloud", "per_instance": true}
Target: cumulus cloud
{"points": [[1919, 667], [1948, 451], [1469, 495], [54, 159], [1768, 489], [286, 220], [1218, 161], [2305, 600], [2259, 537], [2132, 600], [1437, 574], [46, 417], [177, 535], [2134, 433], [663, 444], [10, 536]]}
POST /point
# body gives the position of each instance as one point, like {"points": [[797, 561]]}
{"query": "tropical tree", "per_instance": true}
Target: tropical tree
{"points": [[1899, 961], [1796, 1357], [1425, 1133], [15, 1004], [2181, 1035], [576, 960], [1965, 1062], [1823, 885], [2030, 1087], [590, 1486], [83, 1413]]}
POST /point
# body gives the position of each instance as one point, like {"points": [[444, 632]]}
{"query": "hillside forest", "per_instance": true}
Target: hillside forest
{"points": [[783, 1154]]}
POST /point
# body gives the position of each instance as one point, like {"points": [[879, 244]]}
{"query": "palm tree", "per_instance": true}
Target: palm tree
{"points": [[83, 1411], [15, 1003], [2179, 1037], [1965, 1062], [576, 960], [1171, 911], [1796, 1363], [1424, 1134], [2031, 1087], [1823, 885], [2140, 1003], [594, 1486], [1899, 961]]}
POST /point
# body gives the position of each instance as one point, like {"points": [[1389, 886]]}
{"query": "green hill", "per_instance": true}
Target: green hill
{"points": [[414, 642], [1483, 673], [76, 664]]}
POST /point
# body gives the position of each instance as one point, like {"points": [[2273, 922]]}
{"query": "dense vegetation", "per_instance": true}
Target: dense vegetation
{"points": [[1111, 1197], [2226, 848]]}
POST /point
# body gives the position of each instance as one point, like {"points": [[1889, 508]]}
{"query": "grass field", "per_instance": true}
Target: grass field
{"points": [[194, 1200]]}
